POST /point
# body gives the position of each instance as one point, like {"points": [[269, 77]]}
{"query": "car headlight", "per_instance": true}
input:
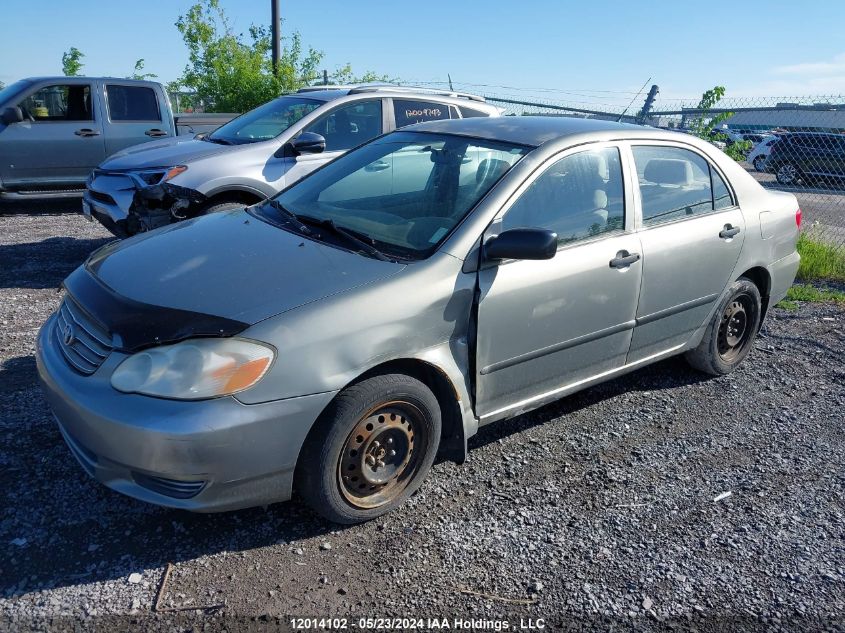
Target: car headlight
{"points": [[161, 175], [194, 369]]}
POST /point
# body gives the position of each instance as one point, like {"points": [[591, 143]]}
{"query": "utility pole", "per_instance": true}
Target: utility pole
{"points": [[276, 33], [649, 102]]}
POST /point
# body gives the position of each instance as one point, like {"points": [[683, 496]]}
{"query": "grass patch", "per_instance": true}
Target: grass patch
{"points": [[819, 261], [806, 292], [789, 306]]}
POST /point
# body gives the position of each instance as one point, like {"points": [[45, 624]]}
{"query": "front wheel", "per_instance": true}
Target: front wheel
{"points": [[371, 449], [730, 334], [787, 174], [760, 163]]}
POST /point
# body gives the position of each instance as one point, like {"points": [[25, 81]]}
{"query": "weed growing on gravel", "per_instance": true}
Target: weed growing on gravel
{"points": [[820, 261], [806, 292]]}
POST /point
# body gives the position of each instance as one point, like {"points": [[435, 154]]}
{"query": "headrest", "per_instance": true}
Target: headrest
{"points": [[668, 171], [490, 170]]}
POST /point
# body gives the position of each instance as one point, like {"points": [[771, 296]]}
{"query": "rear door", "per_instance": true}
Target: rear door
{"points": [[546, 325], [692, 233], [134, 115], [60, 139]]}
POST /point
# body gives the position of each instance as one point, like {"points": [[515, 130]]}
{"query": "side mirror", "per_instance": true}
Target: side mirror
{"points": [[12, 114], [521, 244], [305, 143]]}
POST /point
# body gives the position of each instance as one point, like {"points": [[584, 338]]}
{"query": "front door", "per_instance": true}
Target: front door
{"points": [[345, 127], [59, 141], [692, 234], [546, 325]]}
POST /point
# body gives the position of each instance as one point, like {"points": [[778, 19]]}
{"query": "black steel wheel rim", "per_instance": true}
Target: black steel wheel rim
{"points": [[382, 454], [735, 327]]}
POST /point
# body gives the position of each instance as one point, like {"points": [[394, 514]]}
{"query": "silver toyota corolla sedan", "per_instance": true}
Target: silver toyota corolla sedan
{"points": [[334, 339]]}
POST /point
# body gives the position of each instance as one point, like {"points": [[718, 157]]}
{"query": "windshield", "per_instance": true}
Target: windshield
{"points": [[404, 192], [10, 91], [265, 122]]}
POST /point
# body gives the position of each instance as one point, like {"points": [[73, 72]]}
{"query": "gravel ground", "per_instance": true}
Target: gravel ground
{"points": [[595, 513]]}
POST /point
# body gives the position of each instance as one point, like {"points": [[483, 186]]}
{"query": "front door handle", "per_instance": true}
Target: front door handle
{"points": [[155, 132], [624, 259], [728, 232], [87, 131], [379, 165]]}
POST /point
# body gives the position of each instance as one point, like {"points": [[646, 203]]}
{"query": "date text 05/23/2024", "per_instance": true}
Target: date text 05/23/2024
{"points": [[420, 624]]}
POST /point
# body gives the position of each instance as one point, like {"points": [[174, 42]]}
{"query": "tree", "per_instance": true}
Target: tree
{"points": [[704, 126], [232, 72], [139, 71], [72, 62]]}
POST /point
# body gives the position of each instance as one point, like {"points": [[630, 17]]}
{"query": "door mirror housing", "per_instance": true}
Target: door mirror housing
{"points": [[12, 114], [305, 143], [521, 244]]}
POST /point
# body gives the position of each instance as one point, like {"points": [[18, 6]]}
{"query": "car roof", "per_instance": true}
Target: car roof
{"points": [[83, 79], [537, 130]]}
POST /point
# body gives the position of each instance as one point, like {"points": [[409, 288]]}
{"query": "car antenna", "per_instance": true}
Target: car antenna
{"points": [[619, 120]]}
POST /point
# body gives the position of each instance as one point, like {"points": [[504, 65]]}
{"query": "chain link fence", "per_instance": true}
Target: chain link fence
{"points": [[794, 144]]}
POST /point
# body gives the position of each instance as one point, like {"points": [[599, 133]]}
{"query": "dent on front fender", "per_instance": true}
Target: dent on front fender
{"points": [[421, 313]]}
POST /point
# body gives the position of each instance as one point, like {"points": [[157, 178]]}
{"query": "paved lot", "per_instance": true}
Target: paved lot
{"points": [[594, 513]]}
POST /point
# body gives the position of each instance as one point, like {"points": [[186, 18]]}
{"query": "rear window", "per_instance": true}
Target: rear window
{"points": [[132, 103], [468, 113]]}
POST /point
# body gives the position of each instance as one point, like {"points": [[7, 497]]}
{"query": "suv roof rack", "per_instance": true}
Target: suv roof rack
{"points": [[363, 88]]}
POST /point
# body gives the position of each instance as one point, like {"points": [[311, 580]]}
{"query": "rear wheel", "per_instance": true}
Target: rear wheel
{"points": [[371, 449], [730, 335]]}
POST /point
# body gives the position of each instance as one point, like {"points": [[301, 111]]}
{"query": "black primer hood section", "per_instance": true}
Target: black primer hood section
{"points": [[135, 325]]}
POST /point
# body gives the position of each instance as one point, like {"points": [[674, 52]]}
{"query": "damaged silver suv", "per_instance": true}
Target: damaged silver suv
{"points": [[258, 154]]}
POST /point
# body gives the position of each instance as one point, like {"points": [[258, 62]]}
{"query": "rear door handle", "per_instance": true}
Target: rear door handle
{"points": [[624, 259], [155, 132], [87, 131], [728, 232]]}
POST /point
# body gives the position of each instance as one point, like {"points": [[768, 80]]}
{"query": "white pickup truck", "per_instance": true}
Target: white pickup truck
{"points": [[55, 130]]}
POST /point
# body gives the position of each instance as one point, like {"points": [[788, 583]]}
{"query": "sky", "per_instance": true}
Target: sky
{"points": [[589, 53]]}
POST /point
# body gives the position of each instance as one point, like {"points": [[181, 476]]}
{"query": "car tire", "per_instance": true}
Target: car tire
{"points": [[731, 332], [759, 163], [787, 174], [370, 450], [223, 205]]}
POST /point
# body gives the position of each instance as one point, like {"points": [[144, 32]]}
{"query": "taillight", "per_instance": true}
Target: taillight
{"points": [[798, 217]]}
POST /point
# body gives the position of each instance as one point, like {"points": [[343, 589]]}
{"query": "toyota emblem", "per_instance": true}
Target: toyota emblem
{"points": [[67, 335]]}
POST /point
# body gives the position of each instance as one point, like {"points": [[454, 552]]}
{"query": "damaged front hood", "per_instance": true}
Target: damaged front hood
{"points": [[164, 153], [230, 265]]}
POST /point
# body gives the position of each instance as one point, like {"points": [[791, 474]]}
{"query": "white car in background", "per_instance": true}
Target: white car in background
{"points": [[760, 152]]}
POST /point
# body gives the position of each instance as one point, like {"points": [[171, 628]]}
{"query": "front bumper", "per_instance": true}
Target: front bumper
{"points": [[208, 456]]}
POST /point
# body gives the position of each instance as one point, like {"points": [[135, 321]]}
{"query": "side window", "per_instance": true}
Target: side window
{"points": [[349, 125], [674, 183], [406, 112], [59, 103], [469, 112], [721, 194], [578, 196], [132, 103]]}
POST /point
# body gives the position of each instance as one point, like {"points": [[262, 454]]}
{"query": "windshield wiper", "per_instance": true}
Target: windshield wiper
{"points": [[218, 140], [290, 215], [349, 235]]}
